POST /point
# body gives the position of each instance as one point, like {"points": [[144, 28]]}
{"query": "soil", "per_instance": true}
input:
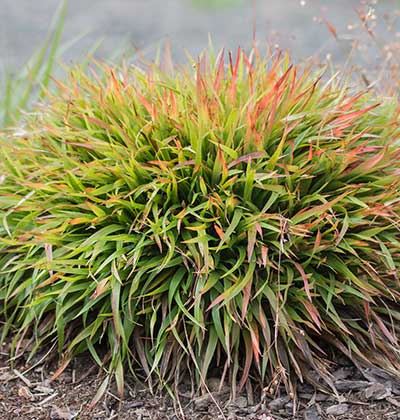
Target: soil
{"points": [[26, 392]]}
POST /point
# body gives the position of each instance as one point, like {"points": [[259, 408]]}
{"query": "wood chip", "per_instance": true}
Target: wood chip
{"points": [[44, 389], [393, 401], [337, 410], [47, 399], [311, 414], [25, 393], [278, 403], [61, 414], [378, 391], [348, 385], [26, 381]]}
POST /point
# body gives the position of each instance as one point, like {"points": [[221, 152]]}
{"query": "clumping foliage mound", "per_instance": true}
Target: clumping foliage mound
{"points": [[237, 218]]}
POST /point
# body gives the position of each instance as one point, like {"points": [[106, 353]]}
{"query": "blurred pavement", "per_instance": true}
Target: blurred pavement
{"points": [[143, 24]]}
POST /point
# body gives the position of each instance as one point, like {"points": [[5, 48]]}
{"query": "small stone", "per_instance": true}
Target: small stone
{"points": [[337, 410], [311, 414]]}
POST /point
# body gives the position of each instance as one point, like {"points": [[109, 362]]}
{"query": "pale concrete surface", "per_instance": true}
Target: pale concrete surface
{"points": [[144, 23]]}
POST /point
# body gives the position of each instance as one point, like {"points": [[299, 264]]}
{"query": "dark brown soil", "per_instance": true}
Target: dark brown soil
{"points": [[28, 394]]}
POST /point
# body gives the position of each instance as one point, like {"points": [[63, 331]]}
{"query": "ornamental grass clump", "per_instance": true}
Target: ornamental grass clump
{"points": [[239, 220]]}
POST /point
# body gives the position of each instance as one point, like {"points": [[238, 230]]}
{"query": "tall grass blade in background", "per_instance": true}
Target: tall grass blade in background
{"points": [[20, 89], [238, 219]]}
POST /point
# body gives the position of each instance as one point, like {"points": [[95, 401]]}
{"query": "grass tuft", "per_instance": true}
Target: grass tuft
{"points": [[240, 216]]}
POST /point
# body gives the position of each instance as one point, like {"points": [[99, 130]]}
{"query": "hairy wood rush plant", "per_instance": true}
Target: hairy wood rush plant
{"points": [[241, 219]]}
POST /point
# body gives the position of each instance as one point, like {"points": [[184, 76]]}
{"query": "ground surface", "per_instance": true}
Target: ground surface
{"points": [[26, 393], [300, 25]]}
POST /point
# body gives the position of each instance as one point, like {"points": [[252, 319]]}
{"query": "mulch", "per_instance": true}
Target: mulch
{"points": [[27, 393]]}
